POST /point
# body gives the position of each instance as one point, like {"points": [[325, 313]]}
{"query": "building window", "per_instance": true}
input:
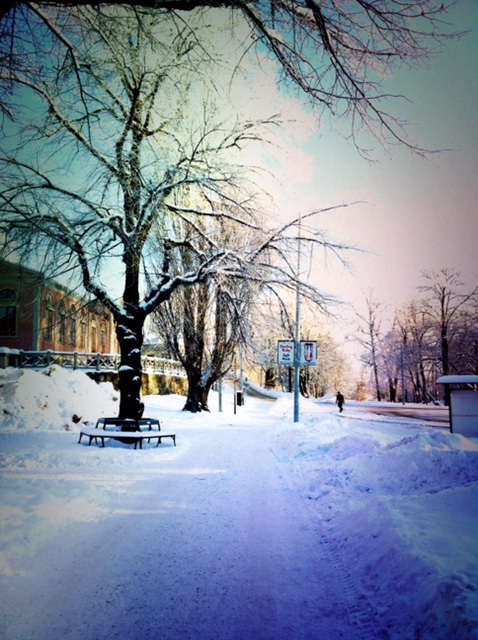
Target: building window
{"points": [[83, 330], [73, 327], [62, 322], [50, 316], [94, 336], [103, 337], [8, 313]]}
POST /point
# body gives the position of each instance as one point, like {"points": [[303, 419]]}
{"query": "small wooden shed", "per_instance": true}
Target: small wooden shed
{"points": [[463, 404]]}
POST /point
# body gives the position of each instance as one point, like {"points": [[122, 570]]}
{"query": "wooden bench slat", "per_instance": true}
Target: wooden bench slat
{"points": [[135, 437], [119, 422]]}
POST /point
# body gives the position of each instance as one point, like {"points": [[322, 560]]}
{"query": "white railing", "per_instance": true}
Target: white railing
{"points": [[90, 361]]}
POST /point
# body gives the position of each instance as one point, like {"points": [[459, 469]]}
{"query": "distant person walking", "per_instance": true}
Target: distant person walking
{"points": [[340, 400]]}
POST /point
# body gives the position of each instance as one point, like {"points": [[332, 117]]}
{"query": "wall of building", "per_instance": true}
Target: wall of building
{"points": [[19, 311], [152, 383], [50, 317]]}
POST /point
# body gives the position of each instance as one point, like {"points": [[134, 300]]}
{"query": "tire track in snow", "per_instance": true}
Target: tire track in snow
{"points": [[360, 612]]}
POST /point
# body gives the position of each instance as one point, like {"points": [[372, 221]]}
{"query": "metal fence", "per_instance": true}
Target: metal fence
{"points": [[88, 361]]}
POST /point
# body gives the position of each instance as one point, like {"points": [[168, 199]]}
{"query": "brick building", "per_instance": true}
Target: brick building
{"points": [[37, 314]]}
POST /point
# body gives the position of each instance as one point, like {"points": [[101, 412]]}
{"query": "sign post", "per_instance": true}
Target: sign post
{"points": [[304, 356]]}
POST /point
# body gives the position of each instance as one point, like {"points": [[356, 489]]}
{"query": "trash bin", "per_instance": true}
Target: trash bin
{"points": [[239, 398]]}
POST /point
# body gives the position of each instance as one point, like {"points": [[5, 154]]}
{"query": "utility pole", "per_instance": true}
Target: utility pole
{"points": [[297, 332], [403, 374]]}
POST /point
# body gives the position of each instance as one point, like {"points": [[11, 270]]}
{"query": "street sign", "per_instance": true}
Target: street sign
{"points": [[308, 353], [286, 353]]}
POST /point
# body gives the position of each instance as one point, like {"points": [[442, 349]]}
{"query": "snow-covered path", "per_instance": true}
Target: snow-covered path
{"points": [[219, 547], [350, 526]]}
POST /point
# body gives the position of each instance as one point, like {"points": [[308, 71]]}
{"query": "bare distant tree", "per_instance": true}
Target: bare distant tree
{"points": [[335, 52], [371, 337], [417, 352], [437, 332], [391, 363], [332, 372], [464, 352], [445, 307]]}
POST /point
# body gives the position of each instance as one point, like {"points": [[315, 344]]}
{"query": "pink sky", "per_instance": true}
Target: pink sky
{"points": [[415, 214]]}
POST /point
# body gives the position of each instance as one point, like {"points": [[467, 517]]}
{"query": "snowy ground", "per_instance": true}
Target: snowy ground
{"points": [[349, 526]]}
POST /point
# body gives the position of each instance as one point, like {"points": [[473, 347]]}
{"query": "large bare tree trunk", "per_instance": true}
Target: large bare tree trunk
{"points": [[198, 393], [129, 331]]}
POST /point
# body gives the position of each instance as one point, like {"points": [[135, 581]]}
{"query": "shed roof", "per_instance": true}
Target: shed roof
{"points": [[468, 379]]}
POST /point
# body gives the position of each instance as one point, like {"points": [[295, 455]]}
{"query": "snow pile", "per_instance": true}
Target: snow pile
{"points": [[52, 399], [397, 508]]}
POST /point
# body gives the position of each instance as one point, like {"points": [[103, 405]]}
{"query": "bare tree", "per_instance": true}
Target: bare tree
{"points": [[417, 353], [332, 372], [390, 356], [201, 327], [103, 149], [335, 52], [371, 339], [270, 321], [437, 332], [464, 349], [204, 326], [445, 307], [93, 170]]}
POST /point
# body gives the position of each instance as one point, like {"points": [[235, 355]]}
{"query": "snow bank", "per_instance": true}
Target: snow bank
{"points": [[52, 399], [397, 508]]}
